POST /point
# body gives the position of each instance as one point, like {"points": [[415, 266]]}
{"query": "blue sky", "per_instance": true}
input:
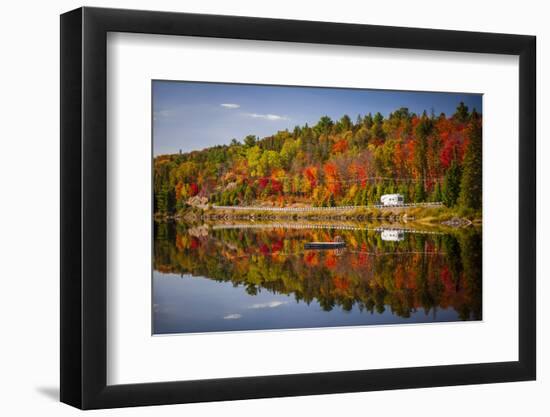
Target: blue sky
{"points": [[193, 116]]}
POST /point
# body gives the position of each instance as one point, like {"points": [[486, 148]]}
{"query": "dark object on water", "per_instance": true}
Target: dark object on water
{"points": [[325, 245]]}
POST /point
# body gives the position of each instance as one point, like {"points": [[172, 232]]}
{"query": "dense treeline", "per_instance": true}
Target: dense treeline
{"points": [[425, 272], [423, 157]]}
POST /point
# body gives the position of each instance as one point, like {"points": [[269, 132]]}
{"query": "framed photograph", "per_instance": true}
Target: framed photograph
{"points": [[258, 208]]}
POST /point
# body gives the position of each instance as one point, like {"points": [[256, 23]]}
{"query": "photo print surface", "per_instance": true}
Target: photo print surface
{"points": [[288, 207]]}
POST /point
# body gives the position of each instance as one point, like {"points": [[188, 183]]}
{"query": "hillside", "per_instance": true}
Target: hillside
{"points": [[333, 163]]}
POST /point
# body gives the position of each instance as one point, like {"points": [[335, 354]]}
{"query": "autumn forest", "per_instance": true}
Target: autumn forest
{"points": [[424, 157]]}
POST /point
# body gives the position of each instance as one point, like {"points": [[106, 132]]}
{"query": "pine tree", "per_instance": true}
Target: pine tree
{"points": [[161, 202], [404, 191], [436, 193], [359, 197], [365, 196], [250, 141], [470, 186], [165, 200], [419, 192], [461, 115], [451, 184], [423, 130], [372, 197], [380, 191]]}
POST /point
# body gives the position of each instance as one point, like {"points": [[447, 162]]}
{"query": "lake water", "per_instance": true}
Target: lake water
{"points": [[258, 276]]}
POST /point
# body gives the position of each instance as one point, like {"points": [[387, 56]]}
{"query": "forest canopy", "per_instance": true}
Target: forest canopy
{"points": [[333, 163]]}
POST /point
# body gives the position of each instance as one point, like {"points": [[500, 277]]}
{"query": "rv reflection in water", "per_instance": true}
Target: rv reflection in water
{"points": [[393, 235]]}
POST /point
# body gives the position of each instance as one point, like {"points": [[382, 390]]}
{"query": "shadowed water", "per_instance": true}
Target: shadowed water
{"points": [[260, 276]]}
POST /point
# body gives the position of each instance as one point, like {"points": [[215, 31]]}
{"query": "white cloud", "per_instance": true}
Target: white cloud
{"points": [[230, 105], [271, 304], [267, 116], [232, 317], [162, 114]]}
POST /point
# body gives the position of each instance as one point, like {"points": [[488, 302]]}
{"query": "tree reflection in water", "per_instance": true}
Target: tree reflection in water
{"points": [[400, 275]]}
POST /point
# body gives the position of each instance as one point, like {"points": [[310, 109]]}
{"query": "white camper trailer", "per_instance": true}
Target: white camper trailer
{"points": [[392, 235], [392, 200]]}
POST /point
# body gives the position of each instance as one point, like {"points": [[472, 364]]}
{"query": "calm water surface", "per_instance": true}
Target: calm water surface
{"points": [[259, 276]]}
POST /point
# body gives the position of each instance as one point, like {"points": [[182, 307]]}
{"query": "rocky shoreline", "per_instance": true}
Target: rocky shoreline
{"points": [[198, 216]]}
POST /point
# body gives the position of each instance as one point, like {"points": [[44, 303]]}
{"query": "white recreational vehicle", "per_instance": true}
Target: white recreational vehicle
{"points": [[392, 200], [392, 235]]}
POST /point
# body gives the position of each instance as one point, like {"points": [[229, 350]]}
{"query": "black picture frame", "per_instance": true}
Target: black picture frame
{"points": [[84, 207]]}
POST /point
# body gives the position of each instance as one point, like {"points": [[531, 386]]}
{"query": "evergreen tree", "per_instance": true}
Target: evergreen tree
{"points": [[324, 126], [380, 191], [423, 130], [358, 122], [419, 192], [451, 184], [436, 193], [161, 203], [470, 186], [368, 121], [365, 196], [250, 141], [372, 197], [404, 191], [166, 200], [344, 124], [376, 129], [461, 115], [358, 201]]}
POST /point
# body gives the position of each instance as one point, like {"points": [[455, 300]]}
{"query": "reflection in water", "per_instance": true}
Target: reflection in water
{"points": [[256, 276], [392, 235]]}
